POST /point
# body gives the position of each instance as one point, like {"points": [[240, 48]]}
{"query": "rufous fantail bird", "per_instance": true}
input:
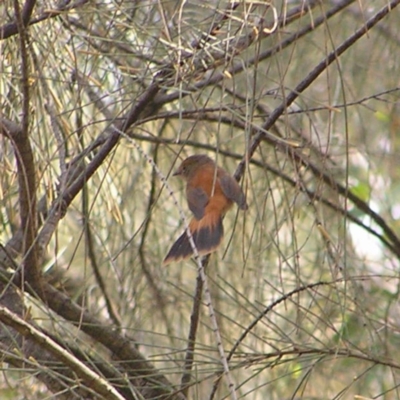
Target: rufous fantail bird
{"points": [[210, 193]]}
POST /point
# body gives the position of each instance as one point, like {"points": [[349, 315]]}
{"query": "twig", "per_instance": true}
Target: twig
{"points": [[194, 323], [11, 29], [25, 162], [201, 271], [310, 193], [154, 286], [60, 204], [303, 85], [217, 76], [261, 316], [135, 365], [112, 312], [343, 352], [91, 379]]}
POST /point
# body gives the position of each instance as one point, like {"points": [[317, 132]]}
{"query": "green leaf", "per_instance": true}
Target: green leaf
{"points": [[381, 116], [362, 191]]}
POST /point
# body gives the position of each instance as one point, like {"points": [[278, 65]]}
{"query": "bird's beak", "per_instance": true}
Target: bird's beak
{"points": [[176, 173]]}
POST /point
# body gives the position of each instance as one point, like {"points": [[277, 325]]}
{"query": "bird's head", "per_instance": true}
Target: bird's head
{"points": [[190, 165]]}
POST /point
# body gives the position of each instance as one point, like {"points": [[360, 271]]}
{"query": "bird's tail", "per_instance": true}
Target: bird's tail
{"points": [[207, 235]]}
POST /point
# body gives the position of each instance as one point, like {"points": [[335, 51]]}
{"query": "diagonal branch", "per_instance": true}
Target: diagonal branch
{"points": [[11, 28], [91, 379], [61, 203], [293, 95], [136, 366], [217, 76], [22, 352]]}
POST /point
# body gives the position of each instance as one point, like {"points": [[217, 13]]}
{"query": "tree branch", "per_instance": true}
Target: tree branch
{"points": [[11, 28], [303, 85], [91, 379]]}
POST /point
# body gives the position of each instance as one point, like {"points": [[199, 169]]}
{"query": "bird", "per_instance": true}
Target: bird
{"points": [[210, 193]]}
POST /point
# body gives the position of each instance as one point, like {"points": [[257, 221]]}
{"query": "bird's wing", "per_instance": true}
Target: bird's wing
{"points": [[233, 191], [197, 199]]}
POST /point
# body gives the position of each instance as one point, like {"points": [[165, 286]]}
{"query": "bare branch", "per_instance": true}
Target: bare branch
{"points": [[93, 380]]}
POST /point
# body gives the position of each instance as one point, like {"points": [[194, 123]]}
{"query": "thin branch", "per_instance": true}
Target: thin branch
{"points": [[261, 315], [61, 203], [142, 375], [201, 266], [215, 26], [135, 365], [217, 76], [159, 296], [27, 11], [341, 352], [191, 342], [91, 379], [109, 143], [25, 163], [162, 99], [11, 28], [23, 352], [23, 19], [303, 85], [310, 193], [391, 238], [112, 312]]}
